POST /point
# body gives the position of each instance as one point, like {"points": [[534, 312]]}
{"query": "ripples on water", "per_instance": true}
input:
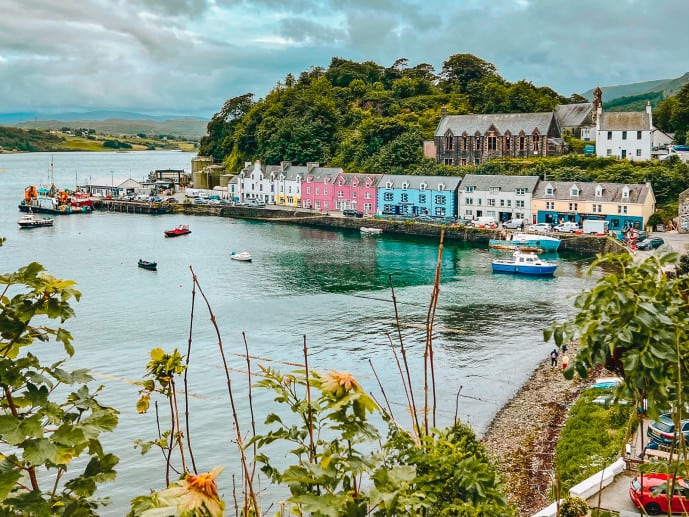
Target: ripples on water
{"points": [[330, 286]]}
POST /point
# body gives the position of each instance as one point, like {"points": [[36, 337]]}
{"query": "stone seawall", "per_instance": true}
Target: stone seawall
{"points": [[587, 244]]}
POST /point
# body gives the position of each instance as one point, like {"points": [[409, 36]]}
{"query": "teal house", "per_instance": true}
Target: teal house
{"points": [[412, 196]]}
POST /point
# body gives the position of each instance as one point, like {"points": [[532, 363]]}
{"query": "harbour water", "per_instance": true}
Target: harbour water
{"points": [[328, 287]]}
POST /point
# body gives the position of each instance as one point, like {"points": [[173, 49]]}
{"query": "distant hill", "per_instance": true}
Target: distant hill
{"points": [[655, 90], [190, 127]]}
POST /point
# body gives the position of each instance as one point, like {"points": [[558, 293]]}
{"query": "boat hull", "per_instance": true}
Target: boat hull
{"points": [[150, 266], [526, 242], [241, 257], [506, 267]]}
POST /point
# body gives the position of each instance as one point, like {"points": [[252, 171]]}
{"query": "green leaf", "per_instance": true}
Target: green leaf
{"points": [[10, 430]]}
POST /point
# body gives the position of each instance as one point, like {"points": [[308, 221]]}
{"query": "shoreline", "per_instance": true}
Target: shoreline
{"points": [[522, 436]]}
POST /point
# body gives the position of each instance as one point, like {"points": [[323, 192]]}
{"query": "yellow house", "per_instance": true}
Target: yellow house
{"points": [[623, 205], [286, 180]]}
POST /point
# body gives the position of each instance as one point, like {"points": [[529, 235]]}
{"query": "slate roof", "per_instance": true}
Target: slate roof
{"points": [[110, 181], [450, 182], [612, 192], [503, 122], [625, 121], [574, 115], [320, 173], [483, 182]]}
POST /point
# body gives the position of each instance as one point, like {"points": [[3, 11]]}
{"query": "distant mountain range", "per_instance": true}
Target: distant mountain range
{"points": [[111, 122], [661, 88]]}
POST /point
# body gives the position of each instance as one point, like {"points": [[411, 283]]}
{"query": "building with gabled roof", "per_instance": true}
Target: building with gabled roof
{"points": [[624, 134], [475, 139], [497, 196], [623, 205], [407, 195]]}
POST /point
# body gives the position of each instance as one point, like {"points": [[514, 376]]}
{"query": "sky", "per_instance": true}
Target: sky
{"points": [[186, 57]]}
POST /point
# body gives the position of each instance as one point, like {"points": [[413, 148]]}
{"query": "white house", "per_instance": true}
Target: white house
{"points": [[624, 134], [255, 183], [500, 197], [287, 183], [112, 186]]}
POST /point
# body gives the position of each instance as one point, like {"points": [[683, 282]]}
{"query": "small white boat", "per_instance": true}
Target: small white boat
{"points": [[371, 231], [524, 263], [30, 220], [241, 256]]}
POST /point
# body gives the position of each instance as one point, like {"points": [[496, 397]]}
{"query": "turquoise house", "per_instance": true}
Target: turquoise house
{"points": [[411, 196]]}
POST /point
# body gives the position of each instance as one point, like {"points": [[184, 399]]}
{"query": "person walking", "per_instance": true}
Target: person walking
{"points": [[565, 362], [553, 358]]}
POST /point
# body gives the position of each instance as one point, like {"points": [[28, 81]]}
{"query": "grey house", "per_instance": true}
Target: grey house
{"points": [[500, 197], [475, 139]]}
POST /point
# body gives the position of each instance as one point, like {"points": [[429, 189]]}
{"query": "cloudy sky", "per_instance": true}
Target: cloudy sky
{"points": [[188, 56]]}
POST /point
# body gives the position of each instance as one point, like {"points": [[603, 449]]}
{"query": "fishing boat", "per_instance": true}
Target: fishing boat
{"points": [[370, 231], [241, 256], [180, 229], [145, 264], [30, 220], [525, 242], [524, 263]]}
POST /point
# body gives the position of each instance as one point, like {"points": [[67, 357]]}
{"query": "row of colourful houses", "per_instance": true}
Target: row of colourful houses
{"points": [[328, 189]]}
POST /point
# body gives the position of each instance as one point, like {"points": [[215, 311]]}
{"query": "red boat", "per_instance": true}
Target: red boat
{"points": [[181, 229]]}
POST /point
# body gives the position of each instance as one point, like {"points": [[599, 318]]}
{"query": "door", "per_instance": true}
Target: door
{"points": [[624, 153]]}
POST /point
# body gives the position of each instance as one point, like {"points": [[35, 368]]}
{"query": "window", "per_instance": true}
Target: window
{"points": [[340, 193], [464, 143], [387, 209], [521, 143], [609, 135], [492, 143], [599, 191], [367, 195], [479, 201], [478, 143], [405, 185], [448, 142], [638, 135], [464, 161], [325, 191], [624, 135], [468, 214], [502, 202], [422, 198], [308, 190], [405, 197], [549, 191], [535, 141], [439, 200], [368, 207], [388, 184], [423, 186], [494, 190], [574, 192], [597, 208], [353, 194], [608, 152], [550, 205], [448, 161], [621, 209], [519, 203], [638, 152], [469, 201], [325, 205], [318, 205], [491, 202], [520, 191], [625, 193], [318, 191], [507, 143], [469, 188], [441, 187], [573, 207], [440, 211]]}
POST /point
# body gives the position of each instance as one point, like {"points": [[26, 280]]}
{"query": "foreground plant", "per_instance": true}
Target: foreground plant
{"points": [[48, 415]]}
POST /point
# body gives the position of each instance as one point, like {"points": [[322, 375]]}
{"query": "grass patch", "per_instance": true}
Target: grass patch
{"points": [[593, 438]]}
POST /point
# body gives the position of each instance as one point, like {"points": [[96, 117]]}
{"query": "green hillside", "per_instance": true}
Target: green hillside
{"points": [[666, 87], [182, 127]]}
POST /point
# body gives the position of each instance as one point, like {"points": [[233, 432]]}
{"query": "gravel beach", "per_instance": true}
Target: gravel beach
{"points": [[523, 434]]}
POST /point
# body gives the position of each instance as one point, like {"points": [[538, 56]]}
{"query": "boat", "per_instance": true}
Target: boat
{"points": [[524, 263], [30, 220], [180, 229], [526, 242], [145, 264], [241, 256], [371, 231]]}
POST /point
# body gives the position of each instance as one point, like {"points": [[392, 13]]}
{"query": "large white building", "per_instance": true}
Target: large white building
{"points": [[624, 135]]}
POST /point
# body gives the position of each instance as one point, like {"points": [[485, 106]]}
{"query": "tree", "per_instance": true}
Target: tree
{"points": [[460, 69], [41, 431]]}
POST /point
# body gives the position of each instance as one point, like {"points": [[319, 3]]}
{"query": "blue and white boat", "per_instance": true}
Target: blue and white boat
{"points": [[524, 263], [526, 242]]}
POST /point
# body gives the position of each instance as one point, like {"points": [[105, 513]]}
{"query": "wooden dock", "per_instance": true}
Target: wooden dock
{"points": [[133, 207]]}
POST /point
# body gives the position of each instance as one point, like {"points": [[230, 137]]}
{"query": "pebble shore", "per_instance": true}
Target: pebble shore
{"points": [[522, 436]]}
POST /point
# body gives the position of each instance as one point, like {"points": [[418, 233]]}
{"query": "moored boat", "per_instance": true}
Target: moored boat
{"points": [[31, 221], [145, 264], [526, 242], [180, 229], [524, 263], [241, 256], [371, 231]]}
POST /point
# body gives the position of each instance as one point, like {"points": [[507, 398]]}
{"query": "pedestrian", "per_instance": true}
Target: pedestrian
{"points": [[564, 348], [565, 362], [553, 358]]}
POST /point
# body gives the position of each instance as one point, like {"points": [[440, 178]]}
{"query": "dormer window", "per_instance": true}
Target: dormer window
{"points": [[423, 186], [340, 182], [388, 184], [549, 190], [469, 188], [625, 193], [599, 191], [441, 186], [574, 191], [405, 185]]}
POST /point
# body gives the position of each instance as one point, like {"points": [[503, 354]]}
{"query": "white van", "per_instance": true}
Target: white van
{"points": [[513, 224], [486, 221]]}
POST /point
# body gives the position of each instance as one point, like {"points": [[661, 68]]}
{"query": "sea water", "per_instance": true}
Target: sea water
{"points": [[328, 288]]}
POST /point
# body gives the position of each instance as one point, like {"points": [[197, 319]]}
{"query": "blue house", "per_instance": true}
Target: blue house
{"points": [[434, 196]]}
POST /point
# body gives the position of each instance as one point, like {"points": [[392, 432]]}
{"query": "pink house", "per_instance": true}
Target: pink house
{"points": [[355, 192], [317, 187]]}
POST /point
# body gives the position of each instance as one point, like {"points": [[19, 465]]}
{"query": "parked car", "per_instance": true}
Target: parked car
{"points": [[351, 213], [650, 492], [662, 431], [257, 203], [567, 227], [540, 228], [650, 244], [198, 201], [514, 224]]}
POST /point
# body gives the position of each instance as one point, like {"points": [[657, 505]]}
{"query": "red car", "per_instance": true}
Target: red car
{"points": [[654, 495]]}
